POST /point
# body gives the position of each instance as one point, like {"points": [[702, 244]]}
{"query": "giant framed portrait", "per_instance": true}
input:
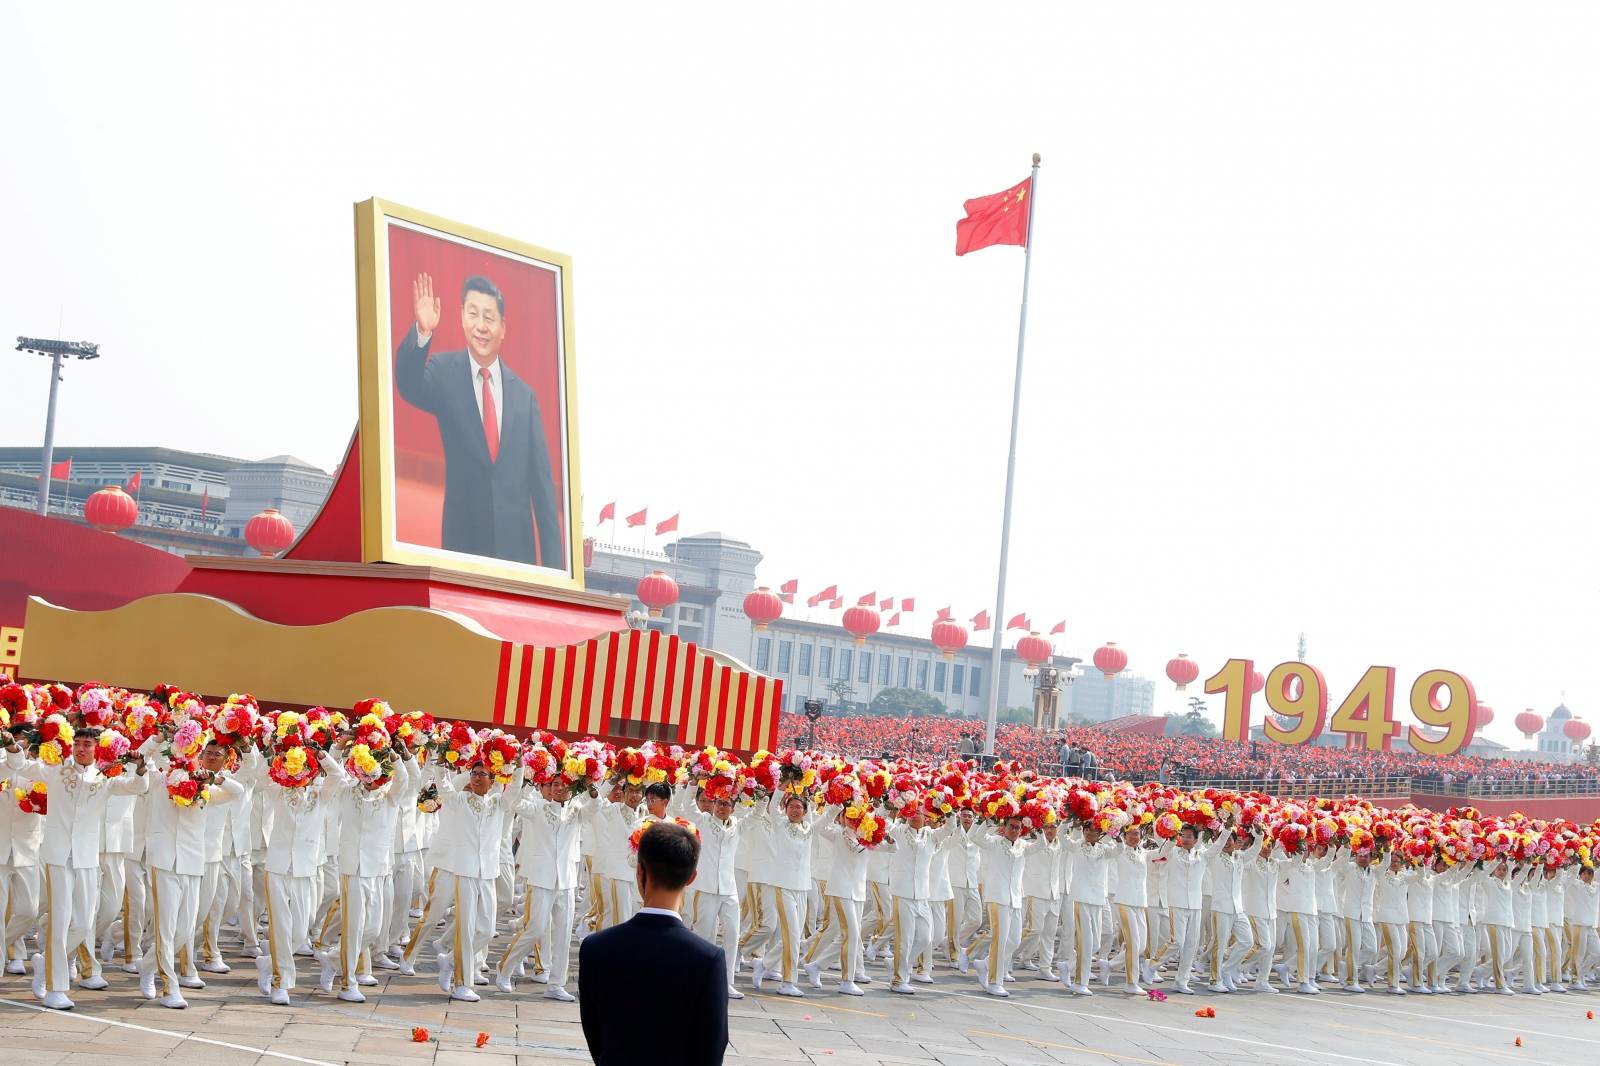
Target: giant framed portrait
{"points": [[469, 424]]}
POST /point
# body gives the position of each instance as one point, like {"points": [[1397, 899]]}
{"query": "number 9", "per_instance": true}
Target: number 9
{"points": [[1307, 702], [1455, 716]]}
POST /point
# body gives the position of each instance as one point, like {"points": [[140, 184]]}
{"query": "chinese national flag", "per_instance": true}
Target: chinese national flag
{"points": [[944, 612], [1018, 621], [134, 482], [829, 593], [836, 604], [908, 603], [980, 620], [895, 620], [1001, 218], [61, 471], [668, 526], [608, 513], [205, 502], [1059, 627], [637, 518], [887, 604], [868, 600], [813, 601], [791, 586]]}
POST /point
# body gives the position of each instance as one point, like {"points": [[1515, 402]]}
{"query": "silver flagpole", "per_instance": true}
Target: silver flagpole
{"points": [[1011, 475]]}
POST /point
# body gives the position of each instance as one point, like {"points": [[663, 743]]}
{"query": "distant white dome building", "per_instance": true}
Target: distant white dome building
{"points": [[1553, 744]]}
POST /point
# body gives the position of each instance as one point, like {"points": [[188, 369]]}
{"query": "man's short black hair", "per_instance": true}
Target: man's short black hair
{"points": [[658, 790], [669, 853], [479, 283]]}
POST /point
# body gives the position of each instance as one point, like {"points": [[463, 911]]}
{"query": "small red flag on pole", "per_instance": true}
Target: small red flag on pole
{"points": [[668, 526], [61, 471], [868, 600], [944, 612], [637, 518], [205, 501], [895, 620], [887, 604], [908, 604], [836, 604], [133, 482], [980, 620], [608, 513], [1018, 621], [1000, 218], [1059, 627], [829, 593]]}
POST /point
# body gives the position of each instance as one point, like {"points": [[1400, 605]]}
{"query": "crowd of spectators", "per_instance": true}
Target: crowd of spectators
{"points": [[1091, 752]]}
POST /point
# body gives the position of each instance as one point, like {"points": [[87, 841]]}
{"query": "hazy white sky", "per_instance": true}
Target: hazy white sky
{"points": [[1313, 324]]}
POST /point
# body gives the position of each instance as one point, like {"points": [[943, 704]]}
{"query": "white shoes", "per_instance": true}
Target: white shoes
{"points": [[352, 995], [279, 997], [903, 988], [922, 978], [850, 988], [1183, 989], [93, 983], [503, 983], [38, 976], [1357, 989], [1308, 988], [215, 966], [464, 994], [540, 978], [1133, 990], [995, 990], [758, 973], [787, 989], [734, 993], [1220, 987], [384, 962], [1080, 990], [191, 981], [328, 972], [173, 1001], [147, 985], [446, 978], [814, 974], [57, 1001], [556, 992]]}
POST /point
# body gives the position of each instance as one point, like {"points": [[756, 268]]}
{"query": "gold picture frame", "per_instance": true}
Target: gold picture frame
{"points": [[375, 221]]}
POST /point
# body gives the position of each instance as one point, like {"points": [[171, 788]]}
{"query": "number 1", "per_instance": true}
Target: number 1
{"points": [[1233, 680]]}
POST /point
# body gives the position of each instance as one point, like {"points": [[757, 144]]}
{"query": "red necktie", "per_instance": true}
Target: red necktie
{"points": [[491, 424]]}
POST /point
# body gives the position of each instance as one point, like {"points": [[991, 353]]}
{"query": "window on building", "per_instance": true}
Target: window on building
{"points": [[783, 702], [885, 664], [825, 661], [977, 680], [764, 653], [958, 674], [784, 648], [690, 613], [905, 672], [922, 674], [805, 661], [938, 677], [864, 675], [845, 657]]}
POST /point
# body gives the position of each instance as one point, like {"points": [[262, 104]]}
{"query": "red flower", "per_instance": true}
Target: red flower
{"points": [[483, 1038], [419, 1035]]}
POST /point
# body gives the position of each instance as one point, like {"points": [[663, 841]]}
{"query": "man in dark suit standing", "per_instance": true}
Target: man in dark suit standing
{"points": [[497, 476], [649, 990]]}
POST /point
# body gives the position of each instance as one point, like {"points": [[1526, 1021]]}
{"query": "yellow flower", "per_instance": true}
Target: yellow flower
{"points": [[294, 761], [50, 754], [287, 721], [868, 825], [451, 756], [852, 812], [38, 788], [364, 760]]}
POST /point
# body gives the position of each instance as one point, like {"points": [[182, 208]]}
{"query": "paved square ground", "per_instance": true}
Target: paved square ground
{"points": [[951, 1023]]}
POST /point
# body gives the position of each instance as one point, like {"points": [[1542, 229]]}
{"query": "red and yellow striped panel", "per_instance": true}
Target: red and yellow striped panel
{"points": [[639, 676]]}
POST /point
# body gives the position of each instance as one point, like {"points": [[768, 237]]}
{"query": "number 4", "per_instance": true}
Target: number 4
{"points": [[1369, 711]]}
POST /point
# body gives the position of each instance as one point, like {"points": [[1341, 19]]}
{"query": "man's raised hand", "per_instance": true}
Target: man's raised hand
{"points": [[427, 304]]}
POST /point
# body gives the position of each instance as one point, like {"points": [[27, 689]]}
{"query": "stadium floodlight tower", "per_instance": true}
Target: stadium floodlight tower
{"points": [[57, 351]]}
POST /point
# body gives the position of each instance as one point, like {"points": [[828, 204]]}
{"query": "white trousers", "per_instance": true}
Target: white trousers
{"points": [[1005, 934], [72, 896], [719, 916], [290, 903], [912, 932], [211, 885], [112, 899], [839, 937], [1393, 945], [969, 919], [1131, 929], [1040, 919], [783, 953], [19, 904], [1360, 940], [408, 882], [1231, 939], [174, 900], [1186, 937], [363, 919], [1083, 938], [760, 920], [545, 931], [471, 926], [1297, 939]]}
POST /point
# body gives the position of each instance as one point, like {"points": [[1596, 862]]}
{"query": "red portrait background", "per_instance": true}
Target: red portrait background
{"points": [[532, 350]]}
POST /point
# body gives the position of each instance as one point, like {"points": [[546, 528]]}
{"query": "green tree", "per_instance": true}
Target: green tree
{"points": [[1191, 724], [841, 692], [1014, 716], [906, 701]]}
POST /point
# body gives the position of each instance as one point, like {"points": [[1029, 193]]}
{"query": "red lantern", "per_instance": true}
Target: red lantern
{"points": [[1182, 670], [1035, 651], [1482, 715], [1258, 681], [1576, 731], [269, 532], [1110, 659], [110, 509], [949, 636], [861, 623], [763, 607], [657, 590], [1529, 723]]}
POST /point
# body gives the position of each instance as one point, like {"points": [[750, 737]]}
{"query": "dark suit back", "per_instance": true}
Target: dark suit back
{"points": [[489, 507], [651, 992]]}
